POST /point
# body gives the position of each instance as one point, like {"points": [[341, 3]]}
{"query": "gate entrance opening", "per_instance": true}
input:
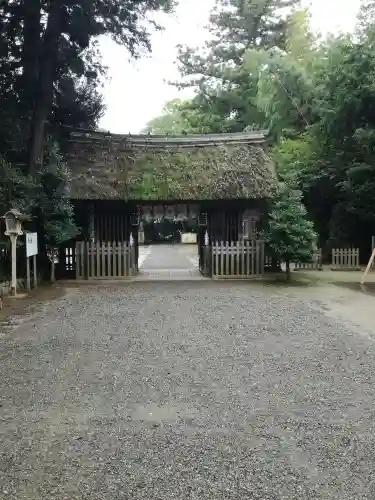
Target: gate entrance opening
{"points": [[134, 194], [168, 240]]}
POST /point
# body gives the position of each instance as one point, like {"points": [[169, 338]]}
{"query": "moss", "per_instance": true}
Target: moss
{"points": [[199, 173]]}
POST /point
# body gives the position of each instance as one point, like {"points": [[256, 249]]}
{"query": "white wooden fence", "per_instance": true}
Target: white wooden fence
{"points": [[238, 259], [105, 260], [345, 258], [314, 265]]}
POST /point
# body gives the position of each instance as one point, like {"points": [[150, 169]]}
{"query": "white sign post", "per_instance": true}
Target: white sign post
{"points": [[31, 251]]}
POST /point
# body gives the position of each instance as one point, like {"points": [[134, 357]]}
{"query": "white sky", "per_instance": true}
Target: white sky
{"points": [[136, 91]]}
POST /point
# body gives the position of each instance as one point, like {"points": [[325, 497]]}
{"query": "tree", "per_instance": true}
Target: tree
{"points": [[288, 233], [345, 131], [54, 211], [16, 189], [72, 28], [50, 74], [286, 79], [320, 94], [183, 117], [225, 86], [48, 50], [172, 121]]}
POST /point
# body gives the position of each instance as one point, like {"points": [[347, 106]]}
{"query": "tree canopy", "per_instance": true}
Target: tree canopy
{"points": [[50, 63], [262, 67], [50, 78], [266, 69]]}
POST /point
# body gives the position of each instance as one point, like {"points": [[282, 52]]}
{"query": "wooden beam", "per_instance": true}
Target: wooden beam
{"points": [[371, 260]]}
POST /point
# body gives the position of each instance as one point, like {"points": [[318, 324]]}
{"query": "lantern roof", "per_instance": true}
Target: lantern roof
{"points": [[17, 215]]}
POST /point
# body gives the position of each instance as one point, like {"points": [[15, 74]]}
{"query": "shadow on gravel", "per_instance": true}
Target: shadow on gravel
{"points": [[367, 288], [297, 280], [24, 306]]}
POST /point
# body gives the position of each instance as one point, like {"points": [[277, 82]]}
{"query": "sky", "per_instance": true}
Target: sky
{"points": [[136, 91]]}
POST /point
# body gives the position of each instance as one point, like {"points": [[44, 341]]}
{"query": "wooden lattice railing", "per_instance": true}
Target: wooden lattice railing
{"points": [[345, 258], [239, 259], [105, 260]]}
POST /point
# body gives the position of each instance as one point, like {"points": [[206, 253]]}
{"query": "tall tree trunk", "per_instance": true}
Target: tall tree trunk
{"points": [[32, 28], [31, 16], [47, 75]]}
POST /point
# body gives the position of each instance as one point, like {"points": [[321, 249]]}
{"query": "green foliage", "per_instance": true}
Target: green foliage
{"points": [[288, 232], [50, 79], [16, 189], [53, 208], [180, 118], [285, 85], [226, 88], [265, 68], [50, 65], [292, 158], [45, 197]]}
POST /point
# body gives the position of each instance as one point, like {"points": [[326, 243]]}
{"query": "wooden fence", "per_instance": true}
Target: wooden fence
{"points": [[271, 263], [345, 258], [238, 259], [104, 260], [315, 264]]}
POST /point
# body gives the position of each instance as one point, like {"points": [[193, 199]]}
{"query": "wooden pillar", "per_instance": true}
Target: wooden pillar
{"points": [[91, 222]]}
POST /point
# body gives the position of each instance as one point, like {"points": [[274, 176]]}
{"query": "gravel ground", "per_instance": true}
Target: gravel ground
{"points": [[195, 390]]}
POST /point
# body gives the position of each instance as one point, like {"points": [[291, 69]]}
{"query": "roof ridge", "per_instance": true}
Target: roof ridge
{"points": [[161, 140]]}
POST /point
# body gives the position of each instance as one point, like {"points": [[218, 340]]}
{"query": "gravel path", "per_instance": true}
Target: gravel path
{"points": [[195, 390]]}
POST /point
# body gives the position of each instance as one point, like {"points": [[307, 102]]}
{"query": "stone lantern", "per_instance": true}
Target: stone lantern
{"points": [[13, 222], [13, 228]]}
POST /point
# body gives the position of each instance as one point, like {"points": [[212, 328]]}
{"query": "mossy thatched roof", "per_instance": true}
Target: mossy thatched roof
{"points": [[199, 167]]}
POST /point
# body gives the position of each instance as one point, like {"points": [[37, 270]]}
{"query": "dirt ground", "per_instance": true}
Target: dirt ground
{"points": [[18, 310], [341, 295]]}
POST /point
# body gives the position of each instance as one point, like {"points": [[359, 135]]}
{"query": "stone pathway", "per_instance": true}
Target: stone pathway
{"points": [[144, 252], [158, 261]]}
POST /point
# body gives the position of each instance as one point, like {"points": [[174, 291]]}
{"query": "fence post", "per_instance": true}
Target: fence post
{"points": [[114, 269], [99, 259], [260, 254]]}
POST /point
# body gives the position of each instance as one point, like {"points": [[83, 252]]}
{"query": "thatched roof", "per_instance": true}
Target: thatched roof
{"points": [[192, 167]]}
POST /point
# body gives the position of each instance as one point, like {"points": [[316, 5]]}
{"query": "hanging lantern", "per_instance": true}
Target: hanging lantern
{"points": [[134, 219], [203, 219]]}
